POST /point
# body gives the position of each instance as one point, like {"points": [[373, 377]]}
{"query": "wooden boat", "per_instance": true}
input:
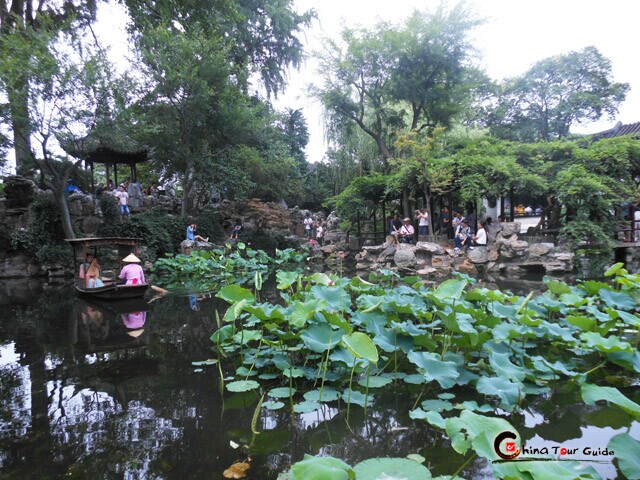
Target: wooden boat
{"points": [[113, 289]]}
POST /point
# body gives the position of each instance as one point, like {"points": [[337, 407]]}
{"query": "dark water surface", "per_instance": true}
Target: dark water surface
{"points": [[109, 391]]}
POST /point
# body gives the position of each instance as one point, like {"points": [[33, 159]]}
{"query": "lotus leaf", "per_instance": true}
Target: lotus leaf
{"points": [[321, 337], [273, 405], [627, 451], [615, 299], [300, 312], [443, 372], [509, 392], [306, 407], [554, 470], [266, 312], [281, 392], [450, 289], [432, 418], [502, 365], [375, 382], [321, 468], [345, 356], [613, 269], [242, 385], [326, 395], [235, 293], [286, 279], [592, 393], [336, 298], [355, 397], [391, 469], [245, 336], [436, 405], [607, 345], [480, 433], [361, 346]]}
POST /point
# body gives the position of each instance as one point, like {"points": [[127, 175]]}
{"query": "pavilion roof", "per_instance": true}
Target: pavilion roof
{"points": [[112, 149], [619, 130]]}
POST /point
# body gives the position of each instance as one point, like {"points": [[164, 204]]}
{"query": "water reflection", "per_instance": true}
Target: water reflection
{"points": [[108, 391]]}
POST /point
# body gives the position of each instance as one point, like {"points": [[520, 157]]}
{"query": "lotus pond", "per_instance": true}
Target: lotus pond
{"points": [[366, 376]]}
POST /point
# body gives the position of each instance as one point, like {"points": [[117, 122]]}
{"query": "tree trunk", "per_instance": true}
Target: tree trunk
{"points": [[405, 201], [63, 206], [18, 106]]}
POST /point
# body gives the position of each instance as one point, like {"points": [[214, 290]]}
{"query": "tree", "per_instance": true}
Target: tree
{"points": [[25, 28], [393, 79], [555, 94]]}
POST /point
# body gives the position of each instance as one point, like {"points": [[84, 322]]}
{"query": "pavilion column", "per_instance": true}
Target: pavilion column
{"points": [[115, 174]]}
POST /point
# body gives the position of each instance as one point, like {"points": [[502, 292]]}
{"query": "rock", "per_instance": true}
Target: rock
{"points": [[335, 237], [426, 271], [433, 248], [440, 261], [333, 221], [508, 229], [465, 266], [90, 225], [329, 249], [362, 266], [514, 271], [510, 248], [386, 254], [493, 255], [374, 248], [20, 265], [539, 249], [362, 256], [478, 255], [405, 258]]}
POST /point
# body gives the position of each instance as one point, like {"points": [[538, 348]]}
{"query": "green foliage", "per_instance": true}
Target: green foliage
{"points": [[555, 94], [360, 196], [43, 237], [453, 340]]}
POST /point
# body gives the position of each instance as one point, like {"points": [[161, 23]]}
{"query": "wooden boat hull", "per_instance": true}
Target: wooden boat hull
{"points": [[113, 291]]}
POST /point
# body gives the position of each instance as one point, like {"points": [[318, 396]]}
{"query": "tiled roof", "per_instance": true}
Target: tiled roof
{"points": [[620, 130]]}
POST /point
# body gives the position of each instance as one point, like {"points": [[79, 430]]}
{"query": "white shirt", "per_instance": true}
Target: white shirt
{"points": [[122, 197], [424, 219], [481, 237], [308, 223], [319, 232], [406, 230]]}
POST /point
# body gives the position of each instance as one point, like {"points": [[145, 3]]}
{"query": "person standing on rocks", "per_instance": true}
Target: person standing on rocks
{"points": [[423, 221], [320, 233], [308, 225], [123, 202]]}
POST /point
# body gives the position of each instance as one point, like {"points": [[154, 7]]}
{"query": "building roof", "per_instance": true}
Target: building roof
{"points": [[111, 149], [619, 130]]}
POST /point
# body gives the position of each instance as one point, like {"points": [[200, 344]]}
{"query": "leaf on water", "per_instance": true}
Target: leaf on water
{"points": [[237, 470], [506, 390], [198, 370], [477, 431], [414, 379], [615, 299], [375, 382], [444, 372], [391, 469], [557, 287], [627, 451], [211, 361], [607, 345], [242, 385], [592, 393], [433, 418], [451, 288], [357, 398], [328, 395], [272, 405], [306, 407], [437, 405], [281, 392], [321, 468], [268, 376], [416, 457]]}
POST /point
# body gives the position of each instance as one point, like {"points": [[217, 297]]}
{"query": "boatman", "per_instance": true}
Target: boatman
{"points": [[132, 271]]}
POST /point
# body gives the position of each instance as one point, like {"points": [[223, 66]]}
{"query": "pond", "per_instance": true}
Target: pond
{"points": [[111, 391]]}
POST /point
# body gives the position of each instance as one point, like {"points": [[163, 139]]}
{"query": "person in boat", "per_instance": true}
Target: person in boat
{"points": [[93, 281], [94, 275], [132, 271], [90, 261]]}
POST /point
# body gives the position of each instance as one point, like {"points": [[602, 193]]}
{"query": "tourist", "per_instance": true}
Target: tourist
{"points": [[423, 221], [480, 238], [308, 224], [191, 234], [86, 265], [123, 202], [462, 237], [457, 221], [394, 227], [528, 210], [94, 281], [132, 271], [539, 210], [320, 233], [636, 226], [407, 231], [71, 187], [237, 229]]}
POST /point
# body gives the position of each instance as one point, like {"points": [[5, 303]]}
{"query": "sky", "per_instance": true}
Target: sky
{"points": [[517, 34]]}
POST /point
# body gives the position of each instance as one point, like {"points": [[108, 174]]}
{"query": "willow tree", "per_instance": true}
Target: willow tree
{"points": [[27, 28]]}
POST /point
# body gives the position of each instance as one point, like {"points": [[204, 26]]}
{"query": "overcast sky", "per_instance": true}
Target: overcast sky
{"points": [[517, 33]]}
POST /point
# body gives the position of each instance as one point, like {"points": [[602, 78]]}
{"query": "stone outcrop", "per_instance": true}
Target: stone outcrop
{"points": [[507, 255]]}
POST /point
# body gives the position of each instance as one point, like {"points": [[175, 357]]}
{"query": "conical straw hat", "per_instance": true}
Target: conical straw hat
{"points": [[131, 258]]}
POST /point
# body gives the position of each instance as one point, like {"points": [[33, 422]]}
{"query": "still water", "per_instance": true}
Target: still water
{"points": [[109, 391]]}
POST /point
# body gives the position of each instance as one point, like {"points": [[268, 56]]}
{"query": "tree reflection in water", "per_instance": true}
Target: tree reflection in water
{"points": [[87, 391]]}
